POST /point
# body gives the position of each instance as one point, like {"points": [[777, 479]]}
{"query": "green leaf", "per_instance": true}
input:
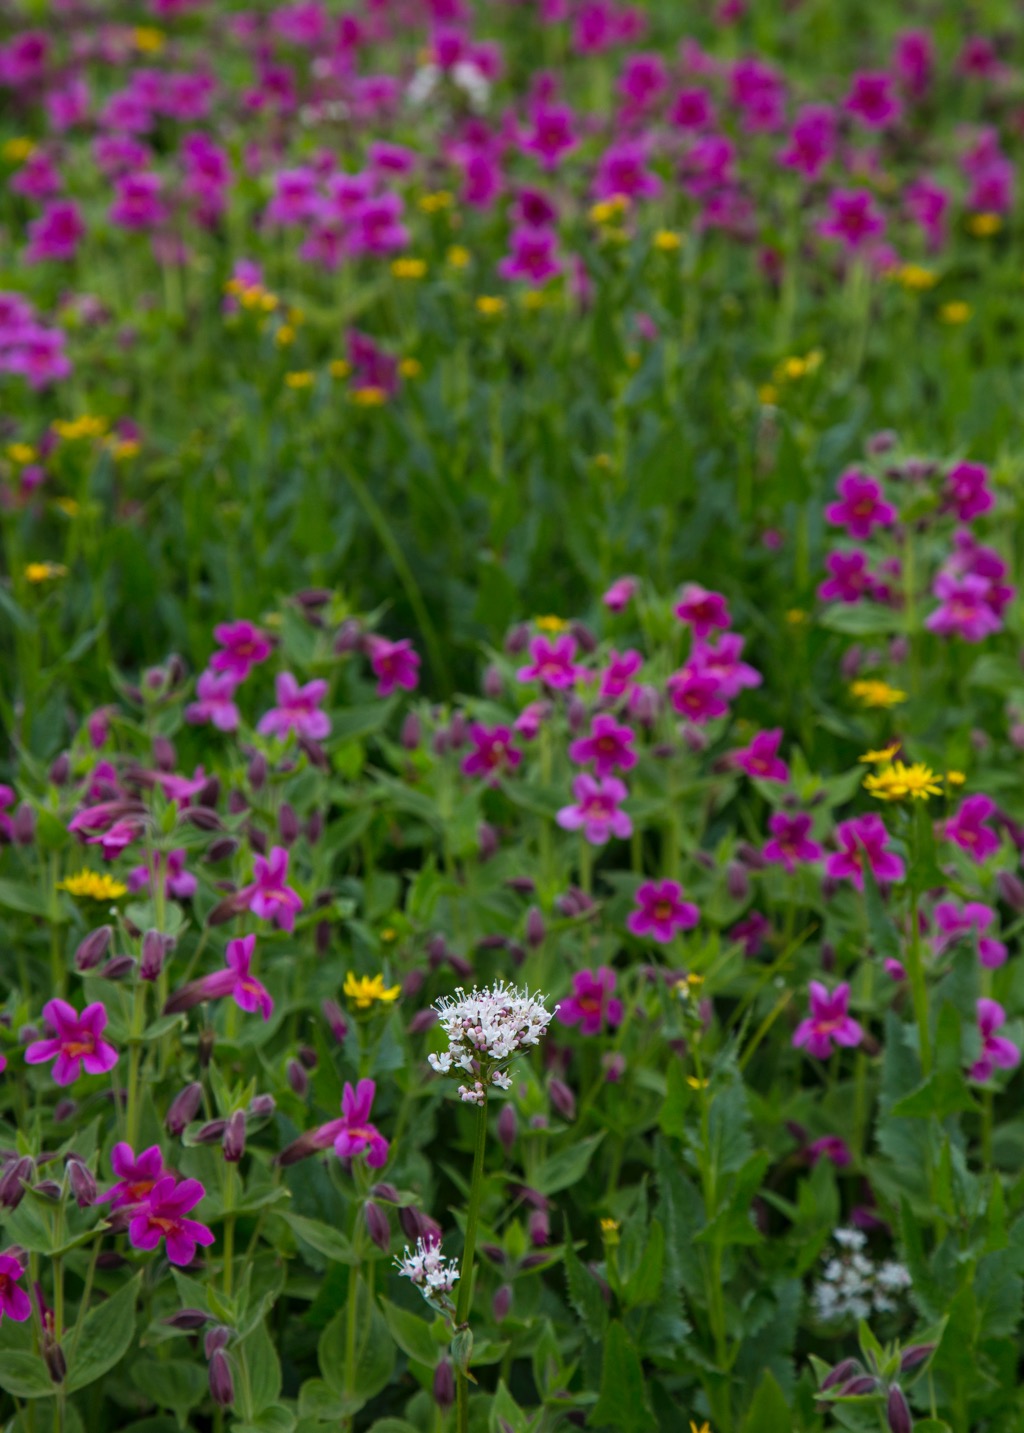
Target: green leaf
{"points": [[622, 1404], [274, 1419], [263, 1368], [567, 1167], [374, 1351], [769, 1412], [319, 1400], [105, 1337], [172, 1383], [411, 1333], [24, 1375], [644, 1283], [584, 1293], [17, 896], [326, 1240], [506, 1414], [392, 1425], [884, 935]]}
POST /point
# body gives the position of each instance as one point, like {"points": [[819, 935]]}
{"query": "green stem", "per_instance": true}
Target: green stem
{"points": [[468, 1252], [134, 1061], [229, 1226], [919, 989]]}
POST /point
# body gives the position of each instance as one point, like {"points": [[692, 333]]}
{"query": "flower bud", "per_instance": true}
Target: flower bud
{"points": [[53, 1357], [444, 1385], [915, 1355], [562, 1098], [60, 770], [898, 1412], [508, 1127], [13, 1180], [24, 825], [297, 1078], [202, 818], [314, 827], [257, 840], [118, 967], [233, 1143], [164, 756], [349, 638], [584, 636], [227, 909], [535, 928], [525, 885], [855, 1387], [288, 823], [518, 639], [840, 1373], [492, 684], [184, 1108], [335, 1019], [576, 714], [93, 948], [1011, 889], [222, 1385], [49, 1189], [614, 1064], [539, 1228], [412, 731], [377, 1225], [64, 1109], [187, 1320], [502, 1302], [487, 838], [737, 882], [462, 967], [221, 850], [458, 729], [154, 951], [257, 772], [422, 1021], [216, 1338], [412, 984], [82, 1182], [262, 1106]]}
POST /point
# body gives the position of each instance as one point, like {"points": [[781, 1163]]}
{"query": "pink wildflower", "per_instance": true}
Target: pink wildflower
{"points": [[297, 709], [592, 1004], [243, 647], [853, 219], [355, 1133], [696, 696], [760, 759], [661, 911], [14, 1302], [967, 491], [237, 980], [609, 746], [617, 677], [136, 1174], [620, 594], [722, 661], [861, 507], [78, 1041], [872, 100], [953, 923], [216, 704], [964, 610], [394, 664], [268, 896], [596, 811], [828, 1021], [832, 1147], [790, 842], [552, 663], [997, 1052], [863, 839], [163, 1216], [702, 610], [967, 829], [493, 753]]}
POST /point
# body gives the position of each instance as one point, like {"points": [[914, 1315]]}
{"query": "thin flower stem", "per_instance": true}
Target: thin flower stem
{"points": [[468, 1252], [134, 1060], [918, 988]]}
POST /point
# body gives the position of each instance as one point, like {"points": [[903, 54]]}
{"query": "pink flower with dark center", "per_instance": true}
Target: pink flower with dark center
{"points": [[927, 204], [269, 897], [137, 1175], [243, 647], [832, 1147], [644, 80], [552, 662], [550, 134], [872, 100], [78, 1041], [965, 610], [661, 911], [592, 1004], [298, 710], [609, 746], [294, 201], [997, 1052], [377, 227], [532, 256], [163, 1216], [702, 610], [216, 704], [237, 979], [864, 839], [914, 62], [56, 234], [394, 664], [790, 843], [967, 828], [596, 811], [623, 172], [696, 696], [177, 882], [722, 661], [752, 932], [617, 676], [853, 219], [493, 754], [861, 507], [530, 720], [828, 1021], [850, 581], [14, 1302], [354, 1133], [972, 920], [760, 759], [620, 594], [137, 204], [967, 491], [692, 109], [812, 141]]}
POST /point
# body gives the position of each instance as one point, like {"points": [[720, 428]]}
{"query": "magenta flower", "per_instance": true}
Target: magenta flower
{"points": [[596, 811], [237, 979], [530, 720], [243, 647], [14, 1302], [354, 1132], [829, 1020], [532, 256], [609, 746], [550, 134], [964, 609], [620, 594], [927, 204], [832, 1147], [137, 203], [752, 932], [216, 704], [853, 218], [997, 1052], [872, 100], [177, 882], [696, 695], [394, 664], [692, 109], [973, 920], [861, 507], [492, 754], [552, 663], [268, 896], [760, 759], [623, 172], [864, 839], [812, 141], [592, 1003], [298, 710], [850, 578], [56, 234], [967, 828], [661, 911], [967, 491], [722, 661], [914, 62], [78, 1041], [617, 677], [163, 1216], [702, 610], [790, 842], [137, 1175]]}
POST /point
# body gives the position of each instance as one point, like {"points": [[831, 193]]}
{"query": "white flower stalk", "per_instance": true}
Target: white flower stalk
{"points": [[433, 1275], [485, 1029]]}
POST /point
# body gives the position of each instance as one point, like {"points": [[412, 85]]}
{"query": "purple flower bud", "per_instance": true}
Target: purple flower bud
{"points": [[458, 730], [898, 1412], [314, 827], [335, 1020], [377, 1225], [155, 948], [883, 442], [495, 1253], [82, 1182], [737, 882], [413, 984], [24, 825], [204, 1048], [53, 1357], [518, 639], [257, 840], [915, 1355], [202, 818], [187, 1320], [385, 1191], [492, 942], [532, 1261], [508, 1127], [233, 1142], [222, 1385], [60, 770], [487, 839], [110, 1259], [840, 1373], [261, 1106], [93, 948], [221, 850], [462, 967], [350, 636], [899, 650], [502, 1302], [584, 636], [525, 885], [412, 731], [13, 1180], [118, 967], [297, 1078], [1011, 889], [227, 909], [855, 1387], [184, 1108], [216, 1338], [535, 928], [437, 950], [439, 742], [49, 1189], [164, 756], [614, 1065], [288, 823], [444, 1385], [493, 685], [258, 771], [539, 1228], [64, 1109], [422, 1021], [562, 1098]]}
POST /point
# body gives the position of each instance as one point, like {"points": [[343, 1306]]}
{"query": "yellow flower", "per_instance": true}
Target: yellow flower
{"points": [[897, 781], [955, 312], [696, 1084], [285, 336], [705, 1427], [70, 507], [410, 368], [18, 149], [884, 756], [364, 990], [44, 571], [409, 268], [551, 624], [95, 885], [667, 241], [296, 316], [268, 302], [533, 299], [610, 1232], [796, 616], [434, 203], [21, 453], [388, 935], [872, 692], [369, 396], [768, 394], [87, 426], [602, 460], [490, 306], [606, 211], [148, 39], [916, 278], [125, 449], [339, 368], [955, 778], [304, 378], [984, 226], [458, 256]]}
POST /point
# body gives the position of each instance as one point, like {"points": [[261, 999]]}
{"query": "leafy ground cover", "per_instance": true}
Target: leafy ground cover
{"points": [[510, 831]]}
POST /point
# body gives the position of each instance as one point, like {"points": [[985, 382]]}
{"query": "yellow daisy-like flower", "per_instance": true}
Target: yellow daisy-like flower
{"points": [[21, 454], [872, 692], [955, 312], [409, 268], [369, 396], [606, 211], [696, 1084], [768, 394], [88, 426], [339, 368], [490, 306], [534, 299], [410, 368], [917, 782], [284, 336], [667, 241], [984, 226], [70, 507], [148, 39], [434, 203], [610, 1232], [955, 778], [885, 755], [705, 1427], [916, 278], [551, 624], [94, 885], [44, 571], [125, 449], [302, 379], [17, 150], [458, 256], [366, 990]]}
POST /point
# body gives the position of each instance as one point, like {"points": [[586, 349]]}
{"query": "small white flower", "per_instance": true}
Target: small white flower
{"points": [[485, 1029], [433, 1275]]}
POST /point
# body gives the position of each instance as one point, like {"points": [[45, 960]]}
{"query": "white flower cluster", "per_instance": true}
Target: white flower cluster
{"points": [[464, 75], [434, 1276], [853, 1286], [485, 1029]]}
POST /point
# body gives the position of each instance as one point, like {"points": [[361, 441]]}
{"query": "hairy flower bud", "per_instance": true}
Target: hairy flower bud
{"points": [[60, 771], [187, 1320], [53, 1357], [898, 1412], [377, 1225], [82, 1182], [539, 1228], [412, 731], [335, 1020], [222, 1384], [915, 1355], [444, 1385], [562, 1098], [118, 967], [487, 839], [221, 850], [216, 1338], [184, 1108], [233, 1142], [297, 1078], [13, 1180], [535, 928], [854, 1387], [493, 685], [508, 1127], [502, 1302], [24, 825], [261, 1106], [155, 948], [93, 948], [288, 824], [842, 1371], [422, 1021]]}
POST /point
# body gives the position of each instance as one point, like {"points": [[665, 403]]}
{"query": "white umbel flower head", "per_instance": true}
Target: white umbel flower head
{"points": [[485, 1029], [433, 1275]]}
